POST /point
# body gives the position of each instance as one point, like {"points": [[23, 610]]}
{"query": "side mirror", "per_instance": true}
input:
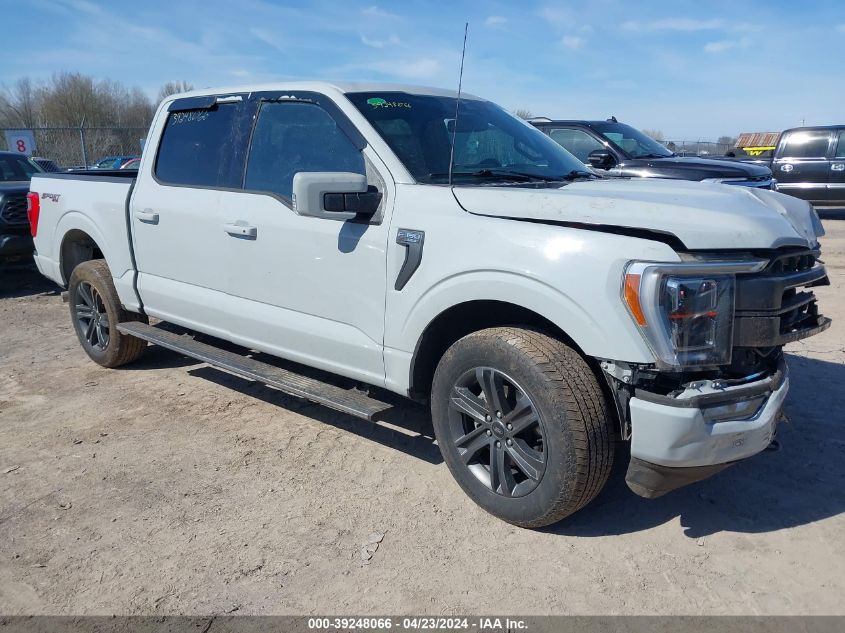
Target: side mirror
{"points": [[333, 195], [601, 159]]}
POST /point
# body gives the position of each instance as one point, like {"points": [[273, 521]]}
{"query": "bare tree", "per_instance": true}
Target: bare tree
{"points": [[727, 140], [19, 104], [522, 113], [173, 87], [657, 135], [110, 117]]}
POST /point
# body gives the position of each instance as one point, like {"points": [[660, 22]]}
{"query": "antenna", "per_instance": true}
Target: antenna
{"points": [[458, 104]]}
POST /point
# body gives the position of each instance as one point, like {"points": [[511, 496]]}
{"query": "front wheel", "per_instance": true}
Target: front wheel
{"points": [[522, 424], [95, 311]]}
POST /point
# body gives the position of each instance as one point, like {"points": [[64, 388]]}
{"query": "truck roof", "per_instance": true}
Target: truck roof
{"points": [[814, 127], [547, 121], [326, 86]]}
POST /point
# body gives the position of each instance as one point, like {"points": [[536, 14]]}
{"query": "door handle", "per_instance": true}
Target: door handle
{"points": [[837, 167], [147, 215], [241, 229]]}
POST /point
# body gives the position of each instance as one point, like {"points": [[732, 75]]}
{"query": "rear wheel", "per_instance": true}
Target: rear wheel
{"points": [[522, 424], [95, 311]]}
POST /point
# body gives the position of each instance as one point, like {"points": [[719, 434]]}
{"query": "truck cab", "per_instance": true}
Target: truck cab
{"points": [[430, 244]]}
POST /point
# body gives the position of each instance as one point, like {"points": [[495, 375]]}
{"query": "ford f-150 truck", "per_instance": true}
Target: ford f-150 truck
{"points": [[468, 261]]}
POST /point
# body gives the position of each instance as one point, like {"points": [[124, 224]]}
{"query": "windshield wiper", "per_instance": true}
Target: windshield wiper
{"points": [[505, 174], [655, 156], [575, 174]]}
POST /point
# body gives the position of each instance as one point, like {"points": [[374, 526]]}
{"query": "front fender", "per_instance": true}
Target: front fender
{"points": [[602, 335]]}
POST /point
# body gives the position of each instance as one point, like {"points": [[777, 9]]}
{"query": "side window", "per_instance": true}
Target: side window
{"points": [[840, 145], [201, 148], [576, 142], [290, 137], [805, 144]]}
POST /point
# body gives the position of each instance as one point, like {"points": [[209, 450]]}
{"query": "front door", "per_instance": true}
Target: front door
{"points": [[304, 288], [801, 164]]}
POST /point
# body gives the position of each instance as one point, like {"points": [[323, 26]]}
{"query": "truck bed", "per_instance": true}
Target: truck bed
{"points": [[85, 209]]}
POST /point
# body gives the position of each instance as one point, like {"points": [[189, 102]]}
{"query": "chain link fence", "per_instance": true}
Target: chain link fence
{"points": [[83, 146]]}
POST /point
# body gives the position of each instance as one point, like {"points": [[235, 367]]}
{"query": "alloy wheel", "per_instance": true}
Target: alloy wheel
{"points": [[498, 432], [91, 316]]}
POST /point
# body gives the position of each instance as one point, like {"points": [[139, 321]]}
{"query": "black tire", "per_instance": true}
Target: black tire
{"points": [[91, 284], [572, 437]]}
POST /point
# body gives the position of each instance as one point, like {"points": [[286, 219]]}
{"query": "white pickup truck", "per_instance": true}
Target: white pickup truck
{"points": [[362, 229]]}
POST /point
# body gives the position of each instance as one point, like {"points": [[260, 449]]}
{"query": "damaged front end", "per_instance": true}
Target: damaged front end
{"points": [[716, 391]]}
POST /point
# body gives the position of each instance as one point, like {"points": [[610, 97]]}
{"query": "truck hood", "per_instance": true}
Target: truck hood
{"points": [[702, 216], [692, 168]]}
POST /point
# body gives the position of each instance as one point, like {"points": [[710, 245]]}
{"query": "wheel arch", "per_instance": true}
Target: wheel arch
{"points": [[76, 247], [79, 239], [466, 317]]}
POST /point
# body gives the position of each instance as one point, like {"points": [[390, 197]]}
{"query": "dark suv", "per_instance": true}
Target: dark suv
{"points": [[15, 238], [615, 149]]}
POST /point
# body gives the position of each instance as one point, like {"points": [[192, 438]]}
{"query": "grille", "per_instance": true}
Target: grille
{"points": [[14, 209], [778, 306], [792, 263], [756, 182]]}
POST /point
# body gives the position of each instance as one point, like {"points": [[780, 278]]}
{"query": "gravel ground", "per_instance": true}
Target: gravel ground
{"points": [[168, 487]]}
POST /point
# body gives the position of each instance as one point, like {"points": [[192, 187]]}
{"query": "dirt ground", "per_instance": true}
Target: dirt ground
{"points": [[168, 487]]}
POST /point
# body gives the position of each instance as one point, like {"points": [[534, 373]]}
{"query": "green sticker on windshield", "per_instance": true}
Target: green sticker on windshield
{"points": [[378, 102]]}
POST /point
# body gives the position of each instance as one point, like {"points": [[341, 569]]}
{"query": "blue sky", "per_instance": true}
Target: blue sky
{"points": [[691, 69]]}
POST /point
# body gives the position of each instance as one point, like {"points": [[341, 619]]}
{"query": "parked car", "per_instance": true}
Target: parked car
{"points": [[617, 149], [540, 311], [45, 164], [809, 163], [111, 162], [15, 172]]}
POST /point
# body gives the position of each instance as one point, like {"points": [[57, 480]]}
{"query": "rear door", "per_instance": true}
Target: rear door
{"points": [[180, 244], [305, 288], [802, 164], [836, 190]]}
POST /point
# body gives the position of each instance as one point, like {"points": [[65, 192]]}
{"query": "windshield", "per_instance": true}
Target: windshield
{"points": [[632, 141], [490, 144], [15, 168]]}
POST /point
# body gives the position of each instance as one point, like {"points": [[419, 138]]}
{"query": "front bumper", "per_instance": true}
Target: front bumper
{"points": [[673, 443], [15, 245]]}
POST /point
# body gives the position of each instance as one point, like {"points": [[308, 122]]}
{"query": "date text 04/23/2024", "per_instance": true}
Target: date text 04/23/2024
{"points": [[481, 624]]}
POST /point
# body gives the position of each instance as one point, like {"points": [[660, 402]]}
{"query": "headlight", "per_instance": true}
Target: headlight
{"points": [[685, 311]]}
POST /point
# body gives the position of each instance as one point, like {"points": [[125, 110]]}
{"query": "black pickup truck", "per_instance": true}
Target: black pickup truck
{"points": [[616, 149], [15, 238], [809, 163]]}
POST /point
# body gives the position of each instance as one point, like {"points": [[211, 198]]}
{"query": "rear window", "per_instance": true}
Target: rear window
{"points": [[805, 144], [202, 148]]}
